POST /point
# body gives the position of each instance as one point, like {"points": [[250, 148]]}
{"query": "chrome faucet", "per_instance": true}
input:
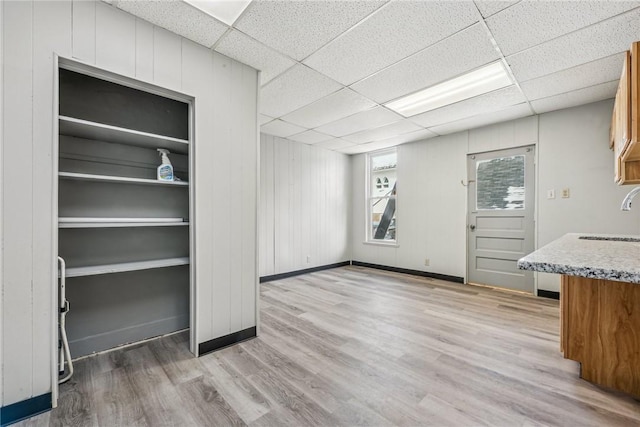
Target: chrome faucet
{"points": [[626, 203]]}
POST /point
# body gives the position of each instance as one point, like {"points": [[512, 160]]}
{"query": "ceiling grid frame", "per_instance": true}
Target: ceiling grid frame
{"points": [[503, 59], [589, 87]]}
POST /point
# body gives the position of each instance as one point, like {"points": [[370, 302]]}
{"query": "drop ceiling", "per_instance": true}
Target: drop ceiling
{"points": [[328, 66]]}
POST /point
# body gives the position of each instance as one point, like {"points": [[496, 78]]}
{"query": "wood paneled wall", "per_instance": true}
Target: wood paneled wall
{"points": [[432, 203], [226, 158], [572, 152], [2, 57], [304, 206], [430, 208]]}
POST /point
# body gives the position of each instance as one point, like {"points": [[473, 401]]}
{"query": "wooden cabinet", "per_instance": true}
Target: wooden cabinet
{"points": [[599, 326], [625, 132]]}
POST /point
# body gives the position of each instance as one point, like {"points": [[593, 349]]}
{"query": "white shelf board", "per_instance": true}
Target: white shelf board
{"points": [[101, 132], [74, 222], [118, 179], [94, 270]]}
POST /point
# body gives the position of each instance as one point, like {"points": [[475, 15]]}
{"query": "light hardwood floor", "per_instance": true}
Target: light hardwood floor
{"points": [[354, 346]]}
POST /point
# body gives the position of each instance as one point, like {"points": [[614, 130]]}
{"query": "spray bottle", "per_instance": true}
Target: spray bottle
{"points": [[165, 170]]}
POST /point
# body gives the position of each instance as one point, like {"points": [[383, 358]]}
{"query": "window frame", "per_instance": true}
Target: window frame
{"points": [[369, 198]]}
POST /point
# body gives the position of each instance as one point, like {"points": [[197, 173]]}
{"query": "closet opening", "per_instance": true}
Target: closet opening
{"points": [[125, 235]]}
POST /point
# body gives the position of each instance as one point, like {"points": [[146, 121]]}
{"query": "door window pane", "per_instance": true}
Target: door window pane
{"points": [[500, 183]]}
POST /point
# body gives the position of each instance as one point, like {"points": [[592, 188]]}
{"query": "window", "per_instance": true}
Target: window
{"points": [[500, 183], [381, 197]]}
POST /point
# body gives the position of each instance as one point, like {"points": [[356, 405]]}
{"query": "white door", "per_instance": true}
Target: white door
{"points": [[500, 217]]}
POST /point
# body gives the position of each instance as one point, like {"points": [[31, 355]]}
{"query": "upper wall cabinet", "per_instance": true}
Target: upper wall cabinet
{"points": [[625, 123]]}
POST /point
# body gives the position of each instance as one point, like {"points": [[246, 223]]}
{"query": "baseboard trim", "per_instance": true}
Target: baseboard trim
{"points": [[86, 346], [409, 271], [280, 276], [226, 341], [25, 409], [548, 294]]}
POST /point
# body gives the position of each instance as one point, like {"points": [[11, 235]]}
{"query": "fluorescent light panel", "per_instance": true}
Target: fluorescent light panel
{"points": [[483, 80], [226, 11]]}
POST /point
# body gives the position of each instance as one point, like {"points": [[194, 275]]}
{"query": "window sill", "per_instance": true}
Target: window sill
{"points": [[390, 244]]}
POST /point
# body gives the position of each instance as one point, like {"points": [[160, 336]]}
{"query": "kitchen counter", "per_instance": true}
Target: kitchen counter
{"points": [[599, 305], [593, 258]]}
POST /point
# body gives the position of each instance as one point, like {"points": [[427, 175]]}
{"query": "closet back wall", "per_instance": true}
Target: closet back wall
{"points": [[304, 206], [226, 158]]}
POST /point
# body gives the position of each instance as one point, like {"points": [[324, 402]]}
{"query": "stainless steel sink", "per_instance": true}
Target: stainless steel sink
{"points": [[610, 239]]}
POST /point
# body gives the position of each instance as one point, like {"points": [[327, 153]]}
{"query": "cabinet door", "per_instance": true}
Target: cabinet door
{"points": [[631, 154], [612, 130], [622, 119]]}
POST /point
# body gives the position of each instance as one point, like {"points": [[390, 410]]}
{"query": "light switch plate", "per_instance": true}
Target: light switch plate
{"points": [[551, 194]]}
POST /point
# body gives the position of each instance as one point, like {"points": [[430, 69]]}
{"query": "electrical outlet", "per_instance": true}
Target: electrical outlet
{"points": [[308, 259], [426, 262], [551, 194], [566, 193]]}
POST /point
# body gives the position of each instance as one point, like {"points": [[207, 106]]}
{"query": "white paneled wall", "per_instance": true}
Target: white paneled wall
{"points": [[430, 209], [573, 153], [226, 156], [17, 216], [1, 198], [304, 206]]}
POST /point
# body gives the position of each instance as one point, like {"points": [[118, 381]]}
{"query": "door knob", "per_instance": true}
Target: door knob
{"points": [[472, 227]]}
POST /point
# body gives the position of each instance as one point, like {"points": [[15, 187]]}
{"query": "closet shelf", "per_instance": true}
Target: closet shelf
{"points": [[100, 132], [95, 270], [74, 222], [118, 179]]}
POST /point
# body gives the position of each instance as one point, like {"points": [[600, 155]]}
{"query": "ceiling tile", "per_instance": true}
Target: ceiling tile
{"points": [[295, 88], [418, 135], [449, 58], [262, 119], [577, 97], [177, 17], [589, 74], [334, 144], [280, 128], [310, 137], [375, 117], [354, 149], [530, 23], [591, 43], [397, 30], [298, 28], [365, 148], [333, 107], [489, 7], [248, 51], [492, 101], [511, 113], [383, 132]]}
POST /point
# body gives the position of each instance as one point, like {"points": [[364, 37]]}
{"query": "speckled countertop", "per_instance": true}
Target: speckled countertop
{"points": [[594, 258]]}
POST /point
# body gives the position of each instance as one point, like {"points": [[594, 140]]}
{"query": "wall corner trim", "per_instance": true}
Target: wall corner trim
{"points": [[226, 340], [25, 409]]}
